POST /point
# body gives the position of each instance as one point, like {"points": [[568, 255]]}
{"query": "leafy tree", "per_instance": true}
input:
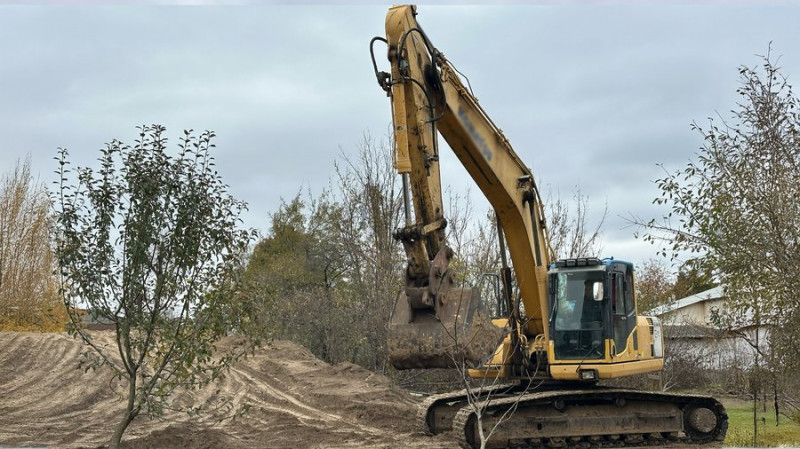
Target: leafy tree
{"points": [[654, 285], [694, 276], [296, 272], [736, 208], [329, 270], [28, 287], [149, 242]]}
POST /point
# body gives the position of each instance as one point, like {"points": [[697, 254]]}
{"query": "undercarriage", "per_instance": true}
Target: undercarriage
{"points": [[508, 416]]}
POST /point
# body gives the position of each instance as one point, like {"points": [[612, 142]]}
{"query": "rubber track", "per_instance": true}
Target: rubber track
{"points": [[682, 440]]}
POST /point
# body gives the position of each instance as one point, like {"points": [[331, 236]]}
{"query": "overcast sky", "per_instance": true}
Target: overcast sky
{"points": [[592, 96]]}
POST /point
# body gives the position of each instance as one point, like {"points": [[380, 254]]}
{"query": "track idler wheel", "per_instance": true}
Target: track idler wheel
{"points": [[702, 423]]}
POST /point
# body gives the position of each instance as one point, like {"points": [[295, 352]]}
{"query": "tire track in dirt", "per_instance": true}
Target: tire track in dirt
{"points": [[307, 414], [57, 356], [295, 400], [296, 407], [42, 391], [285, 396]]}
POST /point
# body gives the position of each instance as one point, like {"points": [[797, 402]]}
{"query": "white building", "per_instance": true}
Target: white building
{"points": [[690, 330]]}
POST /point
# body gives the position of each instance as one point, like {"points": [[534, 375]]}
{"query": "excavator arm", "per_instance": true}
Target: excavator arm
{"points": [[506, 182], [429, 99]]}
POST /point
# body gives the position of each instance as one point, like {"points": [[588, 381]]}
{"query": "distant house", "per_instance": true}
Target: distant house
{"points": [[689, 330], [694, 310]]}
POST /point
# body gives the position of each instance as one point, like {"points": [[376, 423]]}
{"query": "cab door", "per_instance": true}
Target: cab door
{"points": [[623, 310]]}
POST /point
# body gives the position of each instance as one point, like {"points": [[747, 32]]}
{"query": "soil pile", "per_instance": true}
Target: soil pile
{"points": [[292, 399]]}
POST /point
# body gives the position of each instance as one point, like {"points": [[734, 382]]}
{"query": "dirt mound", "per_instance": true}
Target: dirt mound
{"points": [[293, 400]]}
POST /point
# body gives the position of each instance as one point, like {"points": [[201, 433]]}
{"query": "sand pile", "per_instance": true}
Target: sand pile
{"points": [[292, 398]]}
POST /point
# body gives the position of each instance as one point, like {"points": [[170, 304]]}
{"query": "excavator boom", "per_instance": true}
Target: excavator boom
{"points": [[567, 323]]}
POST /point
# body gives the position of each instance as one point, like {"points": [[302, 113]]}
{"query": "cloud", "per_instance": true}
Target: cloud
{"points": [[592, 95]]}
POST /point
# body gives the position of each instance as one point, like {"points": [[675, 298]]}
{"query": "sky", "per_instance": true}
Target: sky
{"points": [[595, 96]]}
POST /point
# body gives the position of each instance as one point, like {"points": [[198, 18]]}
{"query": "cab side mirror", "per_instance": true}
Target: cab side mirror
{"points": [[597, 291]]}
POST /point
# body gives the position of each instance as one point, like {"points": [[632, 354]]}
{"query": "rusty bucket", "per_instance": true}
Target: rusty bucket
{"points": [[458, 331]]}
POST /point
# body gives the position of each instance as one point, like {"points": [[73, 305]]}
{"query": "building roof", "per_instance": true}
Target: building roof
{"points": [[687, 331], [712, 293]]}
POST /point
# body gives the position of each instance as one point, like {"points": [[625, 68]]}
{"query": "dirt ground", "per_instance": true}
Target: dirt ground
{"points": [[294, 400]]}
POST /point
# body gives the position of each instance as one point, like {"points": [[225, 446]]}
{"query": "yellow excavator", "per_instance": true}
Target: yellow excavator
{"points": [[537, 352]]}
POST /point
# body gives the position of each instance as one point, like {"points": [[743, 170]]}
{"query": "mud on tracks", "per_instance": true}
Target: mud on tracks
{"points": [[293, 400]]}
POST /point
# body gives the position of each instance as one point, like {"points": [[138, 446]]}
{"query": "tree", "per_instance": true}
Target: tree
{"points": [[479, 394], [28, 286], [330, 264], [149, 242], [736, 207], [694, 276], [569, 230], [654, 286], [296, 273], [369, 192], [474, 241]]}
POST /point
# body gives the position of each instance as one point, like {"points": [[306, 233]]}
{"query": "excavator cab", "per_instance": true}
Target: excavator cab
{"points": [[578, 319], [594, 330]]}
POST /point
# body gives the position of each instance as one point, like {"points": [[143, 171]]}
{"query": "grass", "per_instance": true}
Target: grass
{"points": [[740, 429]]}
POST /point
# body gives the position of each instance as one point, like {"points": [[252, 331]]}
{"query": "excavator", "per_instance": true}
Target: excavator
{"points": [[536, 356]]}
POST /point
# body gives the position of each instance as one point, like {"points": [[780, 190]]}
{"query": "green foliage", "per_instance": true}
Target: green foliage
{"points": [[694, 276], [149, 242], [328, 271], [654, 286], [735, 210], [735, 206], [296, 277], [740, 429]]}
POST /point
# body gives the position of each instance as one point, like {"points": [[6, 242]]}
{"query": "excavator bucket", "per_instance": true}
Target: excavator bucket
{"points": [[459, 330]]}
